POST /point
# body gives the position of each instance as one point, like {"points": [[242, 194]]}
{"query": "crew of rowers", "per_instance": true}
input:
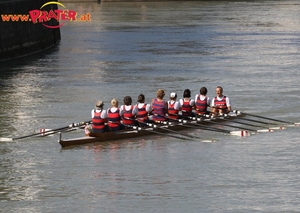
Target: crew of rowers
{"points": [[117, 118]]}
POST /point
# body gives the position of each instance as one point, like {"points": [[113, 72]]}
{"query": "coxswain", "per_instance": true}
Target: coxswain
{"points": [[221, 103]]}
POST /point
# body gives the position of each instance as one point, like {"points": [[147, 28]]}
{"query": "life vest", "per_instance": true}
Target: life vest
{"points": [[128, 117], [172, 112], [158, 110], [201, 105], [97, 121], [186, 108], [113, 118], [142, 114], [221, 104]]}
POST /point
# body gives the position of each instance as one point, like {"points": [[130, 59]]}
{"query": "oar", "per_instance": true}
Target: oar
{"points": [[267, 118], [197, 126], [214, 129], [237, 127], [211, 119], [243, 132], [169, 130], [187, 135], [257, 126], [155, 132], [54, 130], [51, 132], [256, 121]]}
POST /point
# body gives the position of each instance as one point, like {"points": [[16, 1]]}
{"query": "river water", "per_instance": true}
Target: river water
{"points": [[251, 48]]}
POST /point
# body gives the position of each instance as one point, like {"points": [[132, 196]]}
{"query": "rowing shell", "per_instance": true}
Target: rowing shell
{"points": [[111, 136], [138, 132]]}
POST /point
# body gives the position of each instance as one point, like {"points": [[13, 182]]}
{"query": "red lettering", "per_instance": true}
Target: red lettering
{"points": [[51, 15], [64, 15], [34, 14], [72, 15], [43, 16], [58, 12]]}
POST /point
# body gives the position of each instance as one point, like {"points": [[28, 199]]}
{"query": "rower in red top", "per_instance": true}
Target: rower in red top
{"points": [[142, 110], [221, 103], [128, 112], [173, 107], [113, 116], [187, 104], [159, 106], [202, 102], [99, 118]]}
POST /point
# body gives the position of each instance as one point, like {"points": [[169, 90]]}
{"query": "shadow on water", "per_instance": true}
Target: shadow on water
{"points": [[19, 82], [10, 67]]}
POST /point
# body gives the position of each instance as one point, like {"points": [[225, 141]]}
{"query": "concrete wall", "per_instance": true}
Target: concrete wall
{"points": [[20, 38]]}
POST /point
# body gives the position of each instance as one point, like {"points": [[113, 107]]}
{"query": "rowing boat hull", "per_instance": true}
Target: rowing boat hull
{"points": [[119, 135]]}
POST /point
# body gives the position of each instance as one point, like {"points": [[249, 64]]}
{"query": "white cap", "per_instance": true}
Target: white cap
{"points": [[173, 95]]}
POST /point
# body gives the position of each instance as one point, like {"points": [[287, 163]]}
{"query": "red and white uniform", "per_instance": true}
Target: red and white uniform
{"points": [[113, 117], [173, 109], [98, 119], [221, 102], [142, 111], [128, 114], [186, 106], [201, 104]]}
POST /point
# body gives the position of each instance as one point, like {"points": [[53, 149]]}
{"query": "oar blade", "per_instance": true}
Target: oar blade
{"points": [[6, 139], [277, 127], [44, 132], [243, 133], [208, 141], [265, 130]]}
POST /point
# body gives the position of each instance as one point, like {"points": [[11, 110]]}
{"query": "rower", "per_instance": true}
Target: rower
{"points": [[113, 116], [187, 104], [221, 103], [159, 106], [202, 102], [128, 112], [173, 107], [142, 110], [99, 118]]}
